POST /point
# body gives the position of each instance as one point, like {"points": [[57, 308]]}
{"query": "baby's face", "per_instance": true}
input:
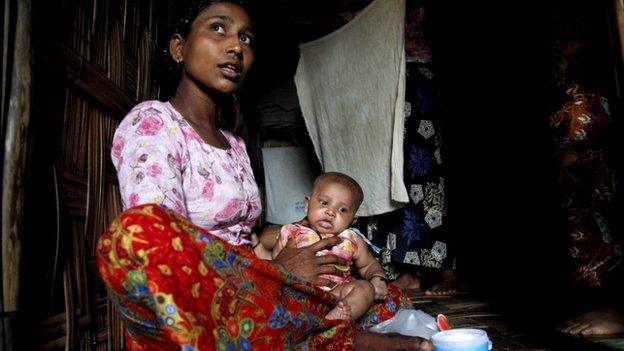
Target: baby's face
{"points": [[330, 208]]}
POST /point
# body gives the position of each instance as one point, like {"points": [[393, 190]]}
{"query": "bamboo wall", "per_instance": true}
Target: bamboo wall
{"points": [[92, 64], [14, 123]]}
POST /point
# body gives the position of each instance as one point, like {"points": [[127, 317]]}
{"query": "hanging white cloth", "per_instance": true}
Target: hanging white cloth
{"points": [[351, 88]]}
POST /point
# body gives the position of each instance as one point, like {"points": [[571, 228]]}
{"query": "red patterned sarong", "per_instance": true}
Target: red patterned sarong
{"points": [[177, 287]]}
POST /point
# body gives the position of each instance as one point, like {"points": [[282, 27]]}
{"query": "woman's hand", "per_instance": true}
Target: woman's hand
{"points": [[304, 263], [381, 288], [369, 341]]}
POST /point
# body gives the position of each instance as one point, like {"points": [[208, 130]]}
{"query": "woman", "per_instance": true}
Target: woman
{"points": [[195, 284]]}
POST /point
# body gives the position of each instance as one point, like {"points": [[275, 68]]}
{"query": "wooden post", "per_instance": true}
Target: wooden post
{"points": [[13, 172]]}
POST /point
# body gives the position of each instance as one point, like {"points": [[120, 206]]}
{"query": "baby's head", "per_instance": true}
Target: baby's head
{"points": [[333, 203]]}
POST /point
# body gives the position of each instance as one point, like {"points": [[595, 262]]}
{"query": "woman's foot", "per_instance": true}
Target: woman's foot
{"points": [[368, 341], [341, 311], [448, 285], [407, 281], [599, 322]]}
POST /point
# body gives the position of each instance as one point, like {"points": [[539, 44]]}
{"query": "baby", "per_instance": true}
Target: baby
{"points": [[330, 210]]}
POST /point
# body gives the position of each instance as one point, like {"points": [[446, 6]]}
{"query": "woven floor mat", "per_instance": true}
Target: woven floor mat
{"points": [[467, 311]]}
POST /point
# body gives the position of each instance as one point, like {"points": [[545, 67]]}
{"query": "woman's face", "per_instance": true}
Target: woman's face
{"points": [[217, 53]]}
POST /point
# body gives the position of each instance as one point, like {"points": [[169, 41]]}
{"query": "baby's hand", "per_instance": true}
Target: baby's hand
{"points": [[381, 288]]}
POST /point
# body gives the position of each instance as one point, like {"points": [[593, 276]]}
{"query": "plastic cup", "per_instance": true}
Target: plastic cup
{"points": [[461, 339]]}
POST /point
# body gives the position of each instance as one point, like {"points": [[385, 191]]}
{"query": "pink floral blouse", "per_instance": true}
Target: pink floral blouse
{"points": [[161, 159]]}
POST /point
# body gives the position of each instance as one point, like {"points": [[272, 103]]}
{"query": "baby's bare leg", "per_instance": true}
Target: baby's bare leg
{"points": [[355, 299], [341, 311]]}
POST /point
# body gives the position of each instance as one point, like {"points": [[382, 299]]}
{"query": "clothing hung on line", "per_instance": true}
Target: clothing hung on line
{"points": [[350, 85], [417, 234], [179, 287], [161, 159], [581, 125]]}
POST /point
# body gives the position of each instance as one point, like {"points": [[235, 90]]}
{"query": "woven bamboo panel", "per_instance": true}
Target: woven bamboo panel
{"points": [[79, 29], [102, 67]]}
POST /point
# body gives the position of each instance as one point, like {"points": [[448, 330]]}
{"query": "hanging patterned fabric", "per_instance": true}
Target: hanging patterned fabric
{"points": [[580, 124], [416, 234]]}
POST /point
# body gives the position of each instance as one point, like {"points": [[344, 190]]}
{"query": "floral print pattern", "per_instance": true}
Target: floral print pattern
{"points": [[586, 147], [421, 224], [412, 226], [413, 235], [161, 159], [177, 286], [305, 236], [419, 161]]}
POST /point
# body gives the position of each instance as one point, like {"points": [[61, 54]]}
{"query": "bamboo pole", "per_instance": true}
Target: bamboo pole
{"points": [[619, 13], [15, 142], [616, 33]]}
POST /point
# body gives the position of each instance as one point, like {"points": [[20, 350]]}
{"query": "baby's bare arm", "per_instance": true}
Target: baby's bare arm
{"points": [[269, 235], [365, 262], [278, 245], [371, 270]]}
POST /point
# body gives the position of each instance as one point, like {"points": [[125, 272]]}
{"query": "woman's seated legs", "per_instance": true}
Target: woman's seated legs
{"points": [[157, 265]]}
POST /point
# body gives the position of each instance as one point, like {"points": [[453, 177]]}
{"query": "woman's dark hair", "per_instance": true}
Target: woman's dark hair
{"points": [[169, 71]]}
